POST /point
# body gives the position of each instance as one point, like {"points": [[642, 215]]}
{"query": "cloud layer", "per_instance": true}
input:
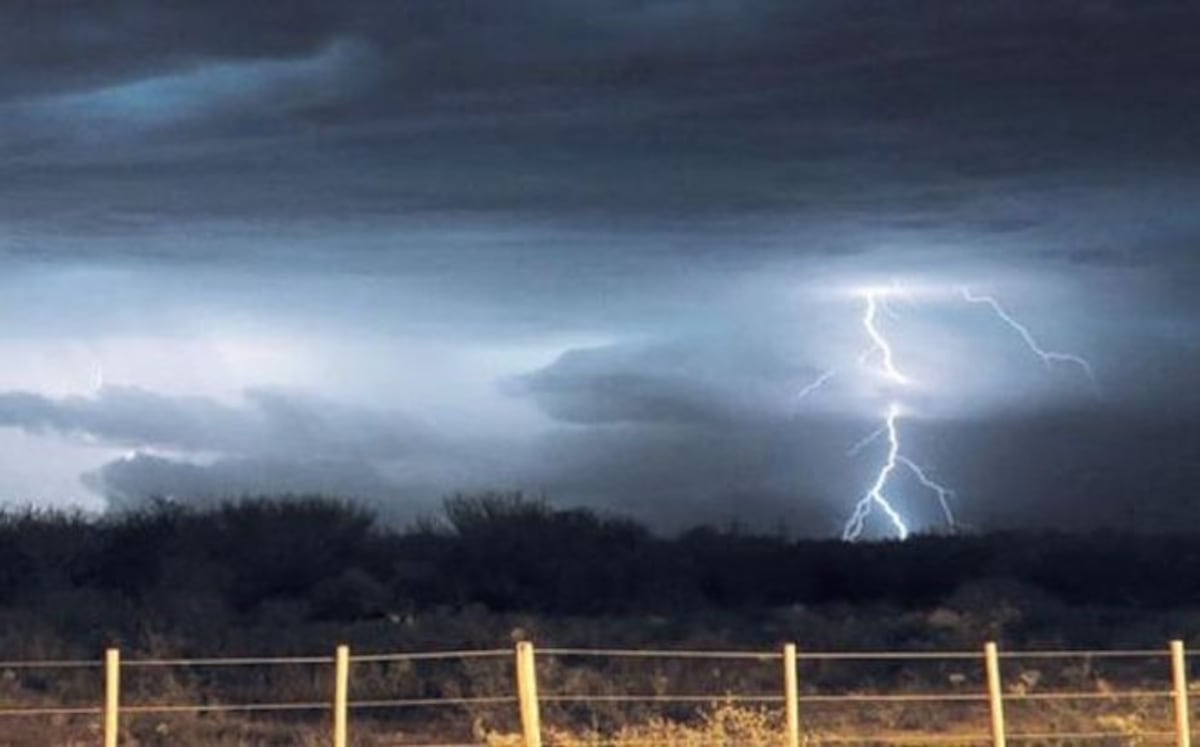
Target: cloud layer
{"points": [[597, 248]]}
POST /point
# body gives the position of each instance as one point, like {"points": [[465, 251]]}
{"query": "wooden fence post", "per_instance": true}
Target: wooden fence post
{"points": [[791, 694], [1183, 729], [991, 658], [527, 695], [112, 696], [341, 696]]}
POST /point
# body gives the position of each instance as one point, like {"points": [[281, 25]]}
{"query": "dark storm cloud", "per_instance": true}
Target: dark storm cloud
{"points": [[1075, 471], [70, 45], [690, 430], [266, 423], [270, 443], [632, 169], [627, 110], [746, 46], [758, 472], [682, 382], [133, 481]]}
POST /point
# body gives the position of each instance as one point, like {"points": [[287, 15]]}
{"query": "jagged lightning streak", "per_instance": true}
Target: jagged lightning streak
{"points": [[1049, 357], [875, 301], [879, 346], [944, 494], [876, 496], [879, 343]]}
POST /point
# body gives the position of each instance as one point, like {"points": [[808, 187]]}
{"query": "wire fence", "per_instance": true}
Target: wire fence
{"points": [[527, 697]]}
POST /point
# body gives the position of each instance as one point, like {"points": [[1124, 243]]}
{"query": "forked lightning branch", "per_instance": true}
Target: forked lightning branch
{"points": [[880, 360]]}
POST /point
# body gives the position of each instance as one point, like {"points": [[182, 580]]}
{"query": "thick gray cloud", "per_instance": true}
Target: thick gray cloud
{"points": [[1068, 469], [198, 450], [132, 481], [266, 423], [613, 111], [683, 382]]}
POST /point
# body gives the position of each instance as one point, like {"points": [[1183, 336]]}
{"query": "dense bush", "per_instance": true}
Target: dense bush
{"points": [[329, 560]]}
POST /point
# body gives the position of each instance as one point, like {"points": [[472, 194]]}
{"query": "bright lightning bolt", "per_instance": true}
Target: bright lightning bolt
{"points": [[876, 496], [879, 343], [880, 351], [1049, 357]]}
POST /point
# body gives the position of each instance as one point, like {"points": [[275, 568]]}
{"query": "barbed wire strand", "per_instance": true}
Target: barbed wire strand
{"points": [[1087, 654], [661, 654], [53, 664], [661, 698], [249, 661], [51, 711], [136, 710], [1078, 695], [902, 738], [432, 702], [425, 656], [1087, 735]]}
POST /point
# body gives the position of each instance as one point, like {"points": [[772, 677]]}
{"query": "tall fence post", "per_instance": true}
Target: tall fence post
{"points": [[791, 694], [527, 695], [1183, 728], [991, 659], [112, 696], [341, 696]]}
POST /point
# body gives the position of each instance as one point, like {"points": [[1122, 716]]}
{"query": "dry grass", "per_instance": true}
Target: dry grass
{"points": [[722, 725], [735, 726]]}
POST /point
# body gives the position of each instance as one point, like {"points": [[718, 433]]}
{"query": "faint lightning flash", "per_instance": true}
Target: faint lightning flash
{"points": [[867, 440], [1049, 357], [816, 384]]}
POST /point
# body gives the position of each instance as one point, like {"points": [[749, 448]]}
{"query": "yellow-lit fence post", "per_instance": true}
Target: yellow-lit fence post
{"points": [[112, 696], [991, 659], [341, 696], [791, 695], [1183, 728], [527, 695]]}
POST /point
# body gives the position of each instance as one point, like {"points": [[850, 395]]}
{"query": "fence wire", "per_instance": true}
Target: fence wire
{"points": [[604, 683]]}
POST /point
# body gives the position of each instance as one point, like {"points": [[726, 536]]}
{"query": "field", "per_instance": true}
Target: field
{"points": [[227, 623], [569, 697]]}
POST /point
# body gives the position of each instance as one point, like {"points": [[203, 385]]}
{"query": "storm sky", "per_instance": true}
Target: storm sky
{"points": [[594, 249]]}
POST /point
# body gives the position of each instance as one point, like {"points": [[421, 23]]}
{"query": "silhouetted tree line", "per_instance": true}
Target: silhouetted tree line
{"points": [[332, 560]]}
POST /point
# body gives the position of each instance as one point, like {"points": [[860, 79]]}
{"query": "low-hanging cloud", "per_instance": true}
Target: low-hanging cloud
{"points": [[601, 114], [265, 423], [130, 482], [680, 382]]}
